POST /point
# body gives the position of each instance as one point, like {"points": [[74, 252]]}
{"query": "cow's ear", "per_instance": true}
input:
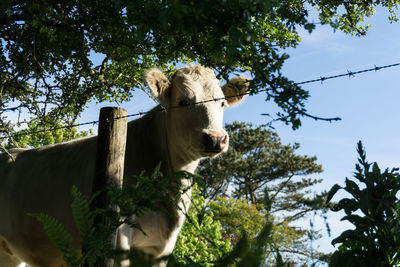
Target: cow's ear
{"points": [[236, 90], [158, 84]]}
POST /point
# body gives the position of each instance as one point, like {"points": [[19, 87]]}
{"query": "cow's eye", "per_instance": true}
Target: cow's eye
{"points": [[223, 104], [183, 103]]}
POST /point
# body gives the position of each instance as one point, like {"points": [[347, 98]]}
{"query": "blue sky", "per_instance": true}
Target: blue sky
{"points": [[367, 103]]}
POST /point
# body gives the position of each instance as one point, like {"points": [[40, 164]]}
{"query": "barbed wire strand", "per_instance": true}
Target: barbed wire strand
{"points": [[321, 79], [349, 74]]}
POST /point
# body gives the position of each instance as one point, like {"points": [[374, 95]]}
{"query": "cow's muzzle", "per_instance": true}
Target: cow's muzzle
{"points": [[215, 142]]}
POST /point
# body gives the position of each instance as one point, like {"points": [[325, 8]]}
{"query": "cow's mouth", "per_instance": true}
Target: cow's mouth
{"points": [[211, 152]]}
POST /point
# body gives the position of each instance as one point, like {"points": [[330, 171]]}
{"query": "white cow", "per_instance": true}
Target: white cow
{"points": [[40, 180]]}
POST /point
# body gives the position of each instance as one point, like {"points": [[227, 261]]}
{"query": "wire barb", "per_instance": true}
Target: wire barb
{"points": [[350, 73]]}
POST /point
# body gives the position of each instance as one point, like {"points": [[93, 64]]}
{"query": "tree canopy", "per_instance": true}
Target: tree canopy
{"points": [[56, 56]]}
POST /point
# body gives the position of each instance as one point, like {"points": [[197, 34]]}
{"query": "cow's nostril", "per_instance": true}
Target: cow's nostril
{"points": [[208, 141], [224, 140], [214, 142]]}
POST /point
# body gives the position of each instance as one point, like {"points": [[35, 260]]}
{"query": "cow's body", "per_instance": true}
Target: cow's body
{"points": [[40, 180]]}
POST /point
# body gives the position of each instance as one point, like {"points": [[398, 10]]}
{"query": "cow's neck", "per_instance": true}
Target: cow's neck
{"points": [[148, 142], [179, 163], [177, 160], [148, 145]]}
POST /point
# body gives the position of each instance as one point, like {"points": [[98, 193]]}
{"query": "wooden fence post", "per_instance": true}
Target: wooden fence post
{"points": [[109, 166]]}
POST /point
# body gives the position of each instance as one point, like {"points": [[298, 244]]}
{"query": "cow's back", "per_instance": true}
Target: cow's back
{"points": [[40, 181]]}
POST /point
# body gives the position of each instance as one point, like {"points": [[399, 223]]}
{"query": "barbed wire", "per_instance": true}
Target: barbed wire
{"points": [[163, 109], [349, 73]]}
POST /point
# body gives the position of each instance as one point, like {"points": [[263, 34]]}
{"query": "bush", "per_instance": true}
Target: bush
{"points": [[374, 211]]}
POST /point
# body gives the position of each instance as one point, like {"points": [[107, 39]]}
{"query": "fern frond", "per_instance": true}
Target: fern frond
{"points": [[94, 249], [82, 215], [59, 236]]}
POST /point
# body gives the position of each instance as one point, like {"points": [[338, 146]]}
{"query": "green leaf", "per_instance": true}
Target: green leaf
{"points": [[356, 219], [332, 192], [309, 27], [352, 188], [348, 205], [346, 235]]}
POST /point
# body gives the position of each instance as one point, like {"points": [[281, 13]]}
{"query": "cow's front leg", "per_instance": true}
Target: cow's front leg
{"points": [[160, 262], [124, 239]]}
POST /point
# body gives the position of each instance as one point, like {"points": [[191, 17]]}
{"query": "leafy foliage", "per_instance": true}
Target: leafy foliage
{"points": [[203, 242], [41, 136], [56, 56], [349, 16], [201, 239], [374, 211], [238, 217], [253, 252]]}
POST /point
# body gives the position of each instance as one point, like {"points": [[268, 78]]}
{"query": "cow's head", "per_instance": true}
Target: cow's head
{"points": [[194, 119]]}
